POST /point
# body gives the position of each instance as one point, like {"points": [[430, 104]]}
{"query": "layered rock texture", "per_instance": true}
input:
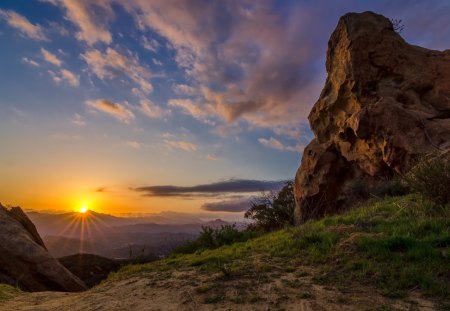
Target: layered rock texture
{"points": [[384, 103], [24, 260]]}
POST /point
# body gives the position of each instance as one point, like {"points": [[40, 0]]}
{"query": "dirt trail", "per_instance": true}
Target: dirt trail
{"points": [[192, 290]]}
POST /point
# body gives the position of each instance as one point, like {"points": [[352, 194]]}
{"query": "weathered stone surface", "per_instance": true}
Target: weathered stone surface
{"points": [[24, 260], [384, 103]]}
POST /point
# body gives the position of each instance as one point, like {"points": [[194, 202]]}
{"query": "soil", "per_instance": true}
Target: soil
{"points": [[191, 289]]}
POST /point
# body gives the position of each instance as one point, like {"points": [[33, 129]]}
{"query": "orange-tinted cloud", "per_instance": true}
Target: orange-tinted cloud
{"points": [[51, 58], [117, 110], [70, 77], [180, 144], [150, 109], [196, 110], [92, 27], [264, 68], [21, 23], [112, 63]]}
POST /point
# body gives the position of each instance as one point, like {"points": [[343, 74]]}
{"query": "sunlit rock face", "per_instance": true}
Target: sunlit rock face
{"points": [[384, 103], [24, 260]]}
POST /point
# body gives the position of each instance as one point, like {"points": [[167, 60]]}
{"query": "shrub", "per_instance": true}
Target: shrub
{"points": [[397, 25], [271, 212], [210, 238], [431, 178], [358, 190], [391, 188]]}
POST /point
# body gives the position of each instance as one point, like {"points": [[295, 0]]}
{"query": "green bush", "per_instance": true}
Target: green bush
{"points": [[271, 212], [210, 238], [431, 178]]}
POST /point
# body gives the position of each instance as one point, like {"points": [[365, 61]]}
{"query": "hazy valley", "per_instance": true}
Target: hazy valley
{"points": [[116, 237]]}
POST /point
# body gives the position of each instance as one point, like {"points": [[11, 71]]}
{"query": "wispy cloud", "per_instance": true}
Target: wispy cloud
{"points": [[134, 144], [150, 109], [288, 131], [189, 107], [78, 120], [30, 62], [117, 110], [272, 143], [58, 28], [296, 148], [150, 44], [21, 23], [64, 75], [51, 58], [217, 188], [112, 63], [55, 77], [183, 89], [276, 144], [262, 60], [180, 144], [70, 77], [157, 62], [90, 16], [212, 157]]}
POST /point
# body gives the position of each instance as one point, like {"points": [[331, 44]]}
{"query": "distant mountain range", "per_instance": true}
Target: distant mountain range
{"points": [[117, 237]]}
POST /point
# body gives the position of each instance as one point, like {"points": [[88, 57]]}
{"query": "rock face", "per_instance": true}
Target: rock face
{"points": [[384, 103], [24, 260]]}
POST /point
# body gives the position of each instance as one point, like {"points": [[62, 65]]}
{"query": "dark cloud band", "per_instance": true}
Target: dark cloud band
{"points": [[212, 189], [234, 206]]}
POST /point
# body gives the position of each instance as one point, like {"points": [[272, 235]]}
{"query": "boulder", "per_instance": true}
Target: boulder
{"points": [[24, 260], [385, 103]]}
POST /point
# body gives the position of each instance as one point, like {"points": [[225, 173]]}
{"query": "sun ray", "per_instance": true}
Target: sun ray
{"points": [[82, 235], [72, 222], [98, 227]]}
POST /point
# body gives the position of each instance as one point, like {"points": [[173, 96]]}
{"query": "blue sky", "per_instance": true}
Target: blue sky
{"points": [[126, 94]]}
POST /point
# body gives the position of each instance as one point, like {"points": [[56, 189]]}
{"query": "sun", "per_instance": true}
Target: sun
{"points": [[83, 209]]}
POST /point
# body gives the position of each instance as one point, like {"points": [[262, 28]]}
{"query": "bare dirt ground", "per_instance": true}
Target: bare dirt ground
{"points": [[190, 289]]}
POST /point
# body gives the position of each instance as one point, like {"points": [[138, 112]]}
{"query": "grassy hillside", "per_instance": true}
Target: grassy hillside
{"points": [[390, 254], [398, 245]]}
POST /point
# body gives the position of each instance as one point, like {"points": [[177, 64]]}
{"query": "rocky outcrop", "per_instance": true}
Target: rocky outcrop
{"points": [[384, 103], [24, 260]]}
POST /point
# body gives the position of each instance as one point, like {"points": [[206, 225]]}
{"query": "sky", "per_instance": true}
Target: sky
{"points": [[134, 107]]}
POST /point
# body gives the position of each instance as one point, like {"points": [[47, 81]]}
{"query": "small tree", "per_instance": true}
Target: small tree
{"points": [[273, 211]]}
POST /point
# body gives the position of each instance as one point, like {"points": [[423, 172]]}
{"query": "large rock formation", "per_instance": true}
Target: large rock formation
{"points": [[384, 103], [24, 260]]}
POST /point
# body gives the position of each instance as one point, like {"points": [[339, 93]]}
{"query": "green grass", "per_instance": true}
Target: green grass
{"points": [[396, 244], [6, 292]]}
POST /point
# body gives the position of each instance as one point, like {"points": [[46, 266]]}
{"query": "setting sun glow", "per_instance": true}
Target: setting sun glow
{"points": [[83, 209]]}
